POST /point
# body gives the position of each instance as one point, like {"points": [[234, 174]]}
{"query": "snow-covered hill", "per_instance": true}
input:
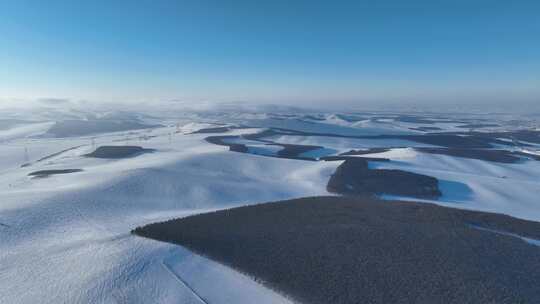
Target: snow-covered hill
{"points": [[65, 238]]}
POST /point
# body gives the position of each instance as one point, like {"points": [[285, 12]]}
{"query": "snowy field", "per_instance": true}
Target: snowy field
{"points": [[66, 238]]}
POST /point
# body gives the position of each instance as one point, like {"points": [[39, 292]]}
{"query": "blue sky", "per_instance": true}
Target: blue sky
{"points": [[349, 52]]}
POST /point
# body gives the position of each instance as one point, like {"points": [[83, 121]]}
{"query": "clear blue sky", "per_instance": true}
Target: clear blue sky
{"points": [[271, 51]]}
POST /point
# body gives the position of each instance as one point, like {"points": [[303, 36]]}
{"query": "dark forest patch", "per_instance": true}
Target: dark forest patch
{"points": [[354, 177], [46, 173], [294, 151], [213, 130], [289, 151], [500, 156], [363, 250], [475, 145], [366, 151], [118, 152]]}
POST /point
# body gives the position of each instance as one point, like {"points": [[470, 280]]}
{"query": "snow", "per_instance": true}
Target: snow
{"points": [[344, 144], [535, 152], [191, 127], [26, 130], [66, 238], [234, 287], [395, 154], [525, 239]]}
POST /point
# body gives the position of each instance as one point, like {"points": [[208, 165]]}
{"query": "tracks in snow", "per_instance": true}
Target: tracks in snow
{"points": [[184, 283]]}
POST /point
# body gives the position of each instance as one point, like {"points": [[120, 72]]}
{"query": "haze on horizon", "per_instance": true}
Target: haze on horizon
{"points": [[296, 53]]}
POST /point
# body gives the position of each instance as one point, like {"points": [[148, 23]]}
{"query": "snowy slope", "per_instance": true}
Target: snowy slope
{"points": [[344, 144], [66, 238]]}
